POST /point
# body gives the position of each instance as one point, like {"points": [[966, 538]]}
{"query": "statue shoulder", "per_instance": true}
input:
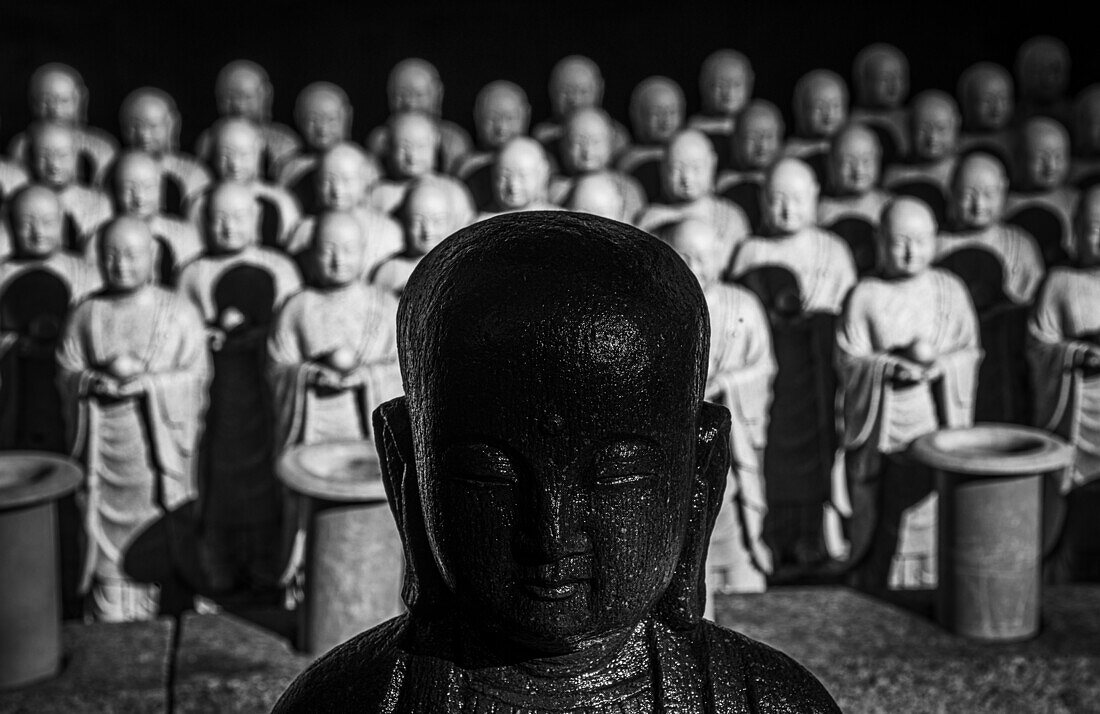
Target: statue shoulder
{"points": [[356, 676], [773, 681]]}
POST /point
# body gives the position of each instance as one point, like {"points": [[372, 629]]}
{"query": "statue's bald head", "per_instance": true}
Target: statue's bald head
{"points": [[126, 254], [907, 237], [758, 135], [414, 85], [985, 94], [790, 196], [57, 93], [244, 90], [689, 166], [52, 153], [978, 191], [36, 222], [137, 184], [232, 218], [575, 82], [820, 103], [598, 194], [238, 147], [1042, 68], [1043, 161], [697, 243], [149, 120], [587, 140], [414, 141], [521, 174], [426, 216], [344, 174], [881, 76], [725, 82], [855, 160], [656, 109], [501, 112], [323, 114], [337, 249], [934, 123]]}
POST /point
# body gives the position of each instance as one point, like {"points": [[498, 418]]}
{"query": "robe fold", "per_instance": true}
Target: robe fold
{"points": [[740, 374], [881, 417], [139, 452], [1016, 250]]}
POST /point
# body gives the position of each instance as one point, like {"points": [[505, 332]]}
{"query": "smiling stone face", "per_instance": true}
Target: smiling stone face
{"points": [[556, 451]]}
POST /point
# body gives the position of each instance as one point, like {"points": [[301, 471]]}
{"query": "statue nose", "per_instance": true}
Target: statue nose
{"points": [[551, 532]]}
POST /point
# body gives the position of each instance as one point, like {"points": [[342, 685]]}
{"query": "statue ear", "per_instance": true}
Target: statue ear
{"points": [[423, 590], [682, 605]]}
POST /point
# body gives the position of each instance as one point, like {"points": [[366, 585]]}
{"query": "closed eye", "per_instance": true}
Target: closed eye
{"points": [[479, 464]]}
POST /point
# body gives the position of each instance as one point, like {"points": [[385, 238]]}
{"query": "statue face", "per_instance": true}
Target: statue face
{"points": [[1087, 229], [233, 220], [1046, 160], [825, 109], [790, 199], [660, 115], [575, 87], [520, 177], [57, 98], [586, 143], [547, 491], [427, 219], [55, 157], [697, 244], [758, 141], [886, 83], [598, 195], [726, 90], [979, 195], [238, 154], [991, 102], [244, 94], [38, 224], [323, 121], [504, 118], [342, 182], [339, 252], [137, 187], [689, 169], [935, 132], [909, 241], [415, 90], [1045, 73], [413, 148], [127, 257], [855, 164], [148, 126]]}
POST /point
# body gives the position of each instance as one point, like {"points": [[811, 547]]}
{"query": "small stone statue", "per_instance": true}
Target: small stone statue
{"points": [[58, 95], [415, 86], [725, 88], [521, 178], [934, 125], [880, 77], [907, 347], [426, 220], [151, 123], [575, 83], [852, 201], [986, 97], [1042, 74], [554, 474], [756, 144], [133, 369], [501, 113], [820, 108], [1041, 202], [656, 113], [244, 91]]}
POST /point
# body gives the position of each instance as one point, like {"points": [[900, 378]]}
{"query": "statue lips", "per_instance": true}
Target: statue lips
{"points": [[556, 581]]}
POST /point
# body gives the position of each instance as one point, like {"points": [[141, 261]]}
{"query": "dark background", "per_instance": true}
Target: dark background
{"points": [[119, 45]]}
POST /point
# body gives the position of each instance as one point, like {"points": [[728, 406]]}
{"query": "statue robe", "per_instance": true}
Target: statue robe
{"points": [[1084, 172], [802, 435], [178, 243], [454, 144], [1015, 249], [388, 195], [868, 206], [814, 151], [382, 233], [312, 324], [279, 213], [95, 148], [393, 273], [139, 453], [1062, 202], [719, 129], [930, 181], [741, 369], [891, 126], [476, 171], [237, 486], [634, 198], [704, 668], [183, 178], [1000, 143], [642, 162], [12, 177], [85, 210], [746, 189], [880, 318], [280, 142], [728, 221]]}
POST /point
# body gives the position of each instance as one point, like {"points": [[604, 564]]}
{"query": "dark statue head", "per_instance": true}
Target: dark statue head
{"points": [[553, 468]]}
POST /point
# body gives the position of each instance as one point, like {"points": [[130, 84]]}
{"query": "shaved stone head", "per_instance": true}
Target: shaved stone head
{"points": [[501, 112], [855, 160], [337, 249], [881, 76], [414, 86], [820, 103], [934, 123], [137, 184], [244, 90], [575, 82], [907, 234], [323, 113], [586, 141], [1042, 68], [985, 94], [598, 194], [37, 222], [656, 109], [343, 176], [790, 196], [689, 166], [696, 242], [1043, 153], [978, 191], [426, 217], [232, 218], [725, 82], [238, 146], [521, 174], [149, 120], [413, 144], [57, 93], [758, 135], [127, 253]]}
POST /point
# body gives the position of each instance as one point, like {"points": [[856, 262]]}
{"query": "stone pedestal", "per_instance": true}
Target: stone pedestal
{"points": [[30, 598], [990, 484], [354, 559]]}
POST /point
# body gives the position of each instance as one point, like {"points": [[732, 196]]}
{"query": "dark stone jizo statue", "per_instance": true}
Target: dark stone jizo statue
{"points": [[555, 487]]}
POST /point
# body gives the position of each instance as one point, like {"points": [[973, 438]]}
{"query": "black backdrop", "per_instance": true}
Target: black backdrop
{"points": [[121, 44]]}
